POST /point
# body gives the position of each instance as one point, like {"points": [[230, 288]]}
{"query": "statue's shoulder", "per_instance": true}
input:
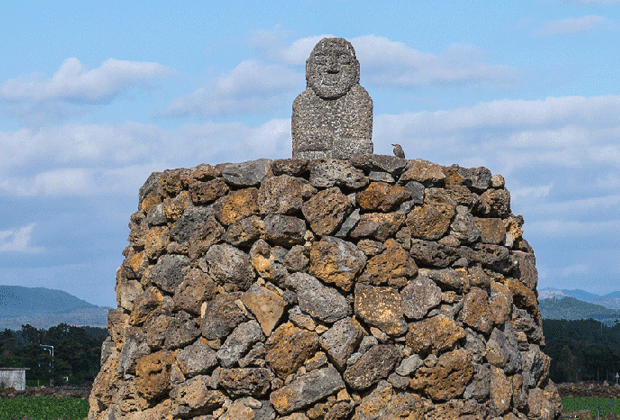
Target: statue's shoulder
{"points": [[359, 91]]}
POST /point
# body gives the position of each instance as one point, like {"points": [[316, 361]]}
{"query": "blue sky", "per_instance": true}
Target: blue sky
{"points": [[94, 96]]}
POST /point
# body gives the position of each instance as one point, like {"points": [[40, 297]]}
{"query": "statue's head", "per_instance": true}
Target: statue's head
{"points": [[332, 69]]}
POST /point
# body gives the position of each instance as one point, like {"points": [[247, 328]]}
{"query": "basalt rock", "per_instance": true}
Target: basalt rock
{"points": [[369, 288]]}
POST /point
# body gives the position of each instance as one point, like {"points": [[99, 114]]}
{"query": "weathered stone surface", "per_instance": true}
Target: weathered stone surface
{"points": [[196, 359], [289, 347], [380, 196], [196, 288], [535, 366], [326, 173], [523, 322], [496, 203], [326, 211], [266, 306], [245, 231], [419, 296], [476, 311], [153, 374], [167, 274], [175, 207], [527, 272], [296, 259], [477, 179], [385, 403], [386, 163], [432, 254], [378, 225], [292, 167], [181, 329], [500, 303], [431, 220], [307, 390], [283, 194], [380, 307], [333, 116], [493, 257], [393, 267], [524, 298], [447, 379], [206, 192], [195, 399], [242, 382], [340, 341], [238, 343], [492, 230], [263, 259], [544, 404], [374, 365], [247, 174], [463, 227], [127, 292], [135, 347], [155, 241], [501, 392], [221, 316], [284, 230], [503, 354], [424, 172], [433, 335], [446, 277], [409, 365], [144, 304], [334, 260], [230, 265], [480, 386], [321, 302], [236, 205], [370, 247]]}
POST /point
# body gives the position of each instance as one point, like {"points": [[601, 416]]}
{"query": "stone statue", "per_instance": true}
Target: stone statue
{"points": [[332, 118]]}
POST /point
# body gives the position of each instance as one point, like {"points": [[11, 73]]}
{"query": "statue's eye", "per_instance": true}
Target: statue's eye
{"points": [[344, 59], [321, 60]]}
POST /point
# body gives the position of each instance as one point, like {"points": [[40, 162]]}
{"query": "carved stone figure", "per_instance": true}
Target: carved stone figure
{"points": [[332, 118]]}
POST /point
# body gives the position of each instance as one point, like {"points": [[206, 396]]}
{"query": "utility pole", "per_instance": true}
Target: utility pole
{"points": [[51, 350]]}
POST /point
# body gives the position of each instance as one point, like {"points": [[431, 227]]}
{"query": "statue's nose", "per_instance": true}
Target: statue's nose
{"points": [[333, 66]]}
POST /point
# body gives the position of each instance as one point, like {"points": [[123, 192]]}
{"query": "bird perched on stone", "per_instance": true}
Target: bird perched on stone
{"points": [[398, 151]]}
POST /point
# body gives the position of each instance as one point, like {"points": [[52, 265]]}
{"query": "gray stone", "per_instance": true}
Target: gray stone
{"points": [[409, 365], [380, 307], [523, 322], [167, 274], [156, 216], [477, 179], [196, 288], [196, 359], [221, 316], [107, 348], [326, 211], [447, 277], [307, 390], [283, 194], [480, 386], [134, 347], [432, 254], [239, 342], [475, 345], [150, 186], [378, 225], [374, 365], [348, 224], [284, 230], [229, 265], [318, 300], [247, 174], [416, 190], [195, 399], [182, 329], [243, 382], [502, 354], [419, 296], [296, 259], [463, 227], [326, 173], [336, 261], [535, 362], [340, 342], [374, 176], [189, 223], [333, 116], [384, 163]]}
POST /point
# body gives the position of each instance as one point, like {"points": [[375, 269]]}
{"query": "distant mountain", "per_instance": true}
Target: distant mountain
{"points": [[571, 308], [44, 308], [581, 295], [609, 301]]}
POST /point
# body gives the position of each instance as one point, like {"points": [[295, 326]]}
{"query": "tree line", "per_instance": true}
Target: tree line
{"points": [[75, 359]]}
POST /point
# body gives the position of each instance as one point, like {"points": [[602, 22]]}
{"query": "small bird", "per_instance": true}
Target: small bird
{"points": [[398, 151]]}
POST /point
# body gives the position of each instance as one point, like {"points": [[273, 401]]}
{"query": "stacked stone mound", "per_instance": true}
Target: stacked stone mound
{"points": [[368, 288]]}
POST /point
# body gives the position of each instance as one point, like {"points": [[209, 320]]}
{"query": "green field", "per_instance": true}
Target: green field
{"points": [[597, 406], [43, 408]]}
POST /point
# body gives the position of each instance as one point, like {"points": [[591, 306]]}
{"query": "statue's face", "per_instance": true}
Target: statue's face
{"points": [[332, 68]]}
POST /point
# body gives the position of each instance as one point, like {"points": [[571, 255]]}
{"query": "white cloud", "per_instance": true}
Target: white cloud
{"points": [[575, 269], [73, 83], [251, 87], [115, 160], [18, 240], [572, 228], [584, 24]]}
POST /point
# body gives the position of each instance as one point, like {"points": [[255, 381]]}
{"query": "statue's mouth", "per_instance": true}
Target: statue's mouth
{"points": [[330, 79]]}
